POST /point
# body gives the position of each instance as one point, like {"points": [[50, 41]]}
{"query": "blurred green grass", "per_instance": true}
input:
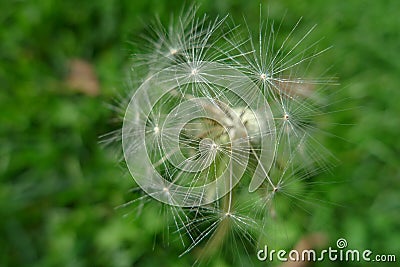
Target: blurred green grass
{"points": [[59, 188]]}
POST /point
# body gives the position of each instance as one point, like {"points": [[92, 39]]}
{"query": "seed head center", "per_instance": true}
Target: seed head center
{"points": [[286, 116], [194, 72], [208, 145], [173, 51], [263, 76]]}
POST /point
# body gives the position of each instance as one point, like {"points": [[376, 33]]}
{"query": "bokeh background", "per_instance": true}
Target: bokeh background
{"points": [[63, 62]]}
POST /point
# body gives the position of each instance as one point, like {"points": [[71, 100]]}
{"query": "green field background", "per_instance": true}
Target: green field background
{"points": [[59, 187]]}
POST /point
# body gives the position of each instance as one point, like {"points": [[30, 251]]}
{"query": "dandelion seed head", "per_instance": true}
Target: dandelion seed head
{"points": [[228, 109]]}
